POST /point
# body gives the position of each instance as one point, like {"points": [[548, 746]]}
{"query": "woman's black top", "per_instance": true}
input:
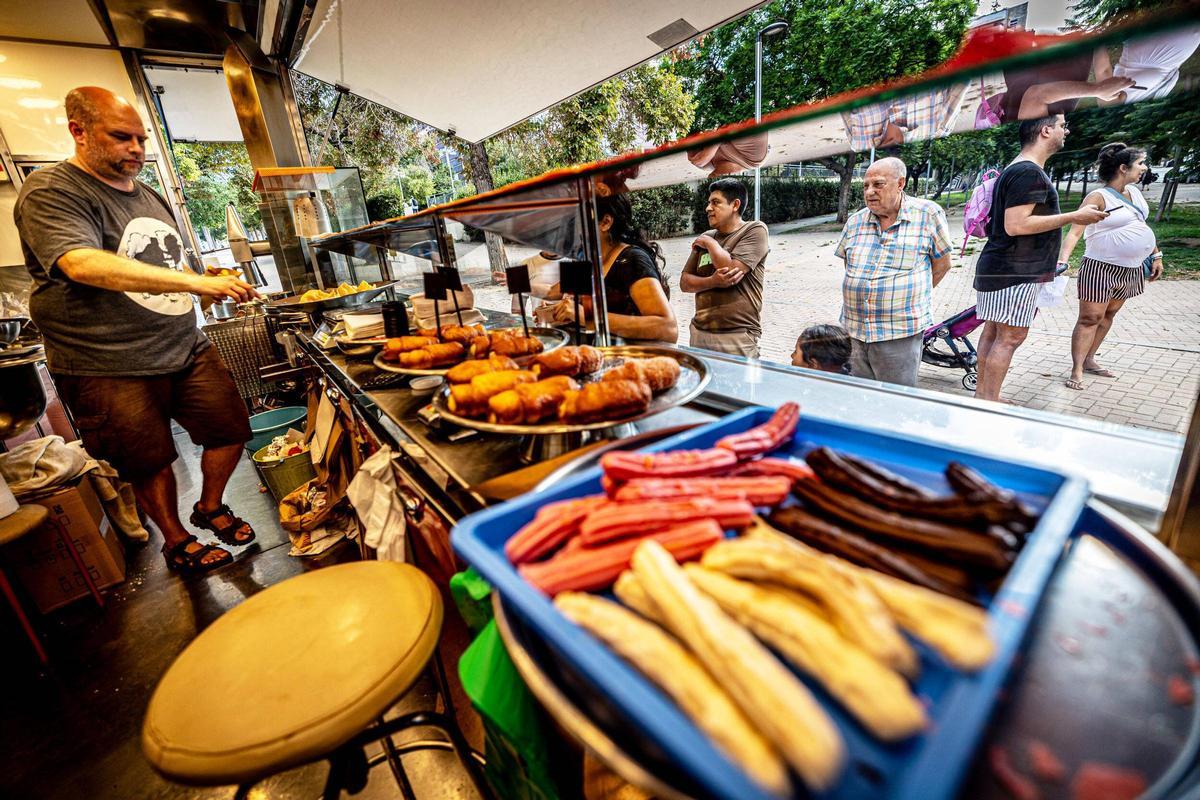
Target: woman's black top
{"points": [[633, 264]]}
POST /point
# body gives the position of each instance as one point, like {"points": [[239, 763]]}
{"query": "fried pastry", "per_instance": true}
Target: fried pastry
{"points": [[659, 372], [515, 345], [392, 348], [530, 403], [669, 665], [463, 334], [848, 601], [878, 697], [605, 400], [573, 361], [774, 699], [471, 399], [464, 372], [432, 356]]}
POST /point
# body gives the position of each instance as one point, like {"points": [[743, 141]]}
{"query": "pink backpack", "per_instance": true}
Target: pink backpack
{"points": [[979, 208]]}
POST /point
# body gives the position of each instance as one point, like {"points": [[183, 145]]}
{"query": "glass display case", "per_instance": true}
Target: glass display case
{"points": [[309, 202]]}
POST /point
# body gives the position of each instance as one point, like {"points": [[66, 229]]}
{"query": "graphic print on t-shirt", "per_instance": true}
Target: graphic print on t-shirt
{"points": [[153, 241]]}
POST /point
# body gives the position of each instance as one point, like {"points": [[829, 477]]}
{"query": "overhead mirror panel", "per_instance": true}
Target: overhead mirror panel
{"points": [[542, 217]]}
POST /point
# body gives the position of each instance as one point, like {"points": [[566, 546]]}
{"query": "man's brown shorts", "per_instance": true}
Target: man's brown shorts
{"points": [[126, 421]]}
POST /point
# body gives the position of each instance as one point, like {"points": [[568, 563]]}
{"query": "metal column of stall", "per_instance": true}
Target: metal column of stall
{"points": [[270, 128], [589, 220]]}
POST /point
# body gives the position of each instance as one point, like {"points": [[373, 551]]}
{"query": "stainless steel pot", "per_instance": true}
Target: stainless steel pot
{"points": [[10, 329], [226, 309], [22, 396]]}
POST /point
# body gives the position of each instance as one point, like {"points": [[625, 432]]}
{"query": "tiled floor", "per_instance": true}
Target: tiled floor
{"points": [[72, 731]]}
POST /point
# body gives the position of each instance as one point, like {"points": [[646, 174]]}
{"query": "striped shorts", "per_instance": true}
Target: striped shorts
{"points": [[1015, 305], [1100, 282]]}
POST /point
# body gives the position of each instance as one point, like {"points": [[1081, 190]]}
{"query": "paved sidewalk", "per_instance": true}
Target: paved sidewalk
{"points": [[1153, 347]]}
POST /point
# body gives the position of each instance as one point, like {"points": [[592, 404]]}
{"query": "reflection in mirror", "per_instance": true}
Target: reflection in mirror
{"points": [[942, 272]]}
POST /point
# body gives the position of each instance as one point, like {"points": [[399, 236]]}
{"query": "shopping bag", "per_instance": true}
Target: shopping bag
{"points": [[1053, 292], [524, 755]]}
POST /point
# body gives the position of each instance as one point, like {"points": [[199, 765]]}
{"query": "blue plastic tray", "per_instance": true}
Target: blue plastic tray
{"points": [[924, 768]]}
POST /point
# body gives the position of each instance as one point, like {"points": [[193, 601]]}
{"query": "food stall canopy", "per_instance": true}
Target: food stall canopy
{"points": [[196, 104], [492, 64], [543, 212]]}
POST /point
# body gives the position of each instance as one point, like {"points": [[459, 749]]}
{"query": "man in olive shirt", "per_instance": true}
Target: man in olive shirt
{"points": [[725, 272], [112, 297]]}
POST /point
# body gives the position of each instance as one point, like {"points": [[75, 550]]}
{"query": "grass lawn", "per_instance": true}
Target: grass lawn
{"points": [[1178, 238]]}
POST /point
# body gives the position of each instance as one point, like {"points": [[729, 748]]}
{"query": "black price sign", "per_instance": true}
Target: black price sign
{"points": [[517, 279], [395, 319], [576, 277], [435, 286], [451, 278]]}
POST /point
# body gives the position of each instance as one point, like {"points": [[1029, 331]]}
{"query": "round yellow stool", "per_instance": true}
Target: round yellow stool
{"points": [[299, 672]]}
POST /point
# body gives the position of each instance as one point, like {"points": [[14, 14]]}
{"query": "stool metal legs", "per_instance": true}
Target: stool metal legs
{"points": [[7, 590], [343, 764]]}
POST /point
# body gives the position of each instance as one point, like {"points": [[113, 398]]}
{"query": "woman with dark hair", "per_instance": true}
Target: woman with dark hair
{"points": [[634, 287], [823, 347], [1120, 255]]}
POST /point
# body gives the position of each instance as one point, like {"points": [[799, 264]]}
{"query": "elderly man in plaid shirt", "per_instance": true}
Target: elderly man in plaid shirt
{"points": [[896, 250]]}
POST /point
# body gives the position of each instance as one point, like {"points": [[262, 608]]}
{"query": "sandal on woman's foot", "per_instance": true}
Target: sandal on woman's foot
{"points": [[1073, 383], [1100, 372], [227, 533], [190, 562]]}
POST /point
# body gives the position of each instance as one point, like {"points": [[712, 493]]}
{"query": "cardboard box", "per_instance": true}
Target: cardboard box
{"points": [[42, 565]]}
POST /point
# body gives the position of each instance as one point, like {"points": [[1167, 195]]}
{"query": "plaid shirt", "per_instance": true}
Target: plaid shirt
{"points": [[889, 277], [918, 117]]}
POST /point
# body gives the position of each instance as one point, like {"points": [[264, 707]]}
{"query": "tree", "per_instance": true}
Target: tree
{"points": [[481, 175], [647, 104], [967, 152], [213, 175], [1094, 13], [418, 182], [832, 46], [379, 141]]}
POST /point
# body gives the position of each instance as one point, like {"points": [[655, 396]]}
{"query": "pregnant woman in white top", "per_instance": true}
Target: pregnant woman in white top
{"points": [[1119, 256]]}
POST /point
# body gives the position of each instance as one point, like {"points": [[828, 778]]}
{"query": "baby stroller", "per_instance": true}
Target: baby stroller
{"points": [[953, 333]]}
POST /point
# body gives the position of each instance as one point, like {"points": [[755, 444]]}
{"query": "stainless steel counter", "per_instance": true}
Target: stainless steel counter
{"points": [[454, 467]]}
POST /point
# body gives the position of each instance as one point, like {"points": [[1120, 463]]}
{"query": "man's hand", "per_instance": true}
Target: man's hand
{"points": [[1156, 269], [1087, 214], [564, 311], [1111, 88], [724, 278], [221, 287], [705, 241]]}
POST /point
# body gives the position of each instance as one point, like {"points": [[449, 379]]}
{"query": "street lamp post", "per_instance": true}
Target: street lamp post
{"points": [[771, 31]]}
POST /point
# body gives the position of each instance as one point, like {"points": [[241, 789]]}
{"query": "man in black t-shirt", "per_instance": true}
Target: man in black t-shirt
{"points": [[1024, 233], [112, 297]]}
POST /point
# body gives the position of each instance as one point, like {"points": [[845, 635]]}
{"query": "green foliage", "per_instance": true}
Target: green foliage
{"points": [[1178, 241], [832, 46], [418, 182], [663, 212], [647, 103], [385, 205], [379, 141], [1094, 13], [783, 199], [215, 174]]}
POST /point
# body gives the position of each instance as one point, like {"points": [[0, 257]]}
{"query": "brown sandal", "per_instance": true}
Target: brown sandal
{"points": [[228, 534], [192, 562]]}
